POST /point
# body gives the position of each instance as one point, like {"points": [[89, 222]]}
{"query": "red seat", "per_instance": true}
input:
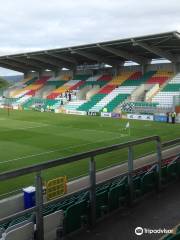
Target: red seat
{"points": [[52, 95], [77, 85], [159, 80], [105, 78], [135, 76], [107, 89], [31, 92]]}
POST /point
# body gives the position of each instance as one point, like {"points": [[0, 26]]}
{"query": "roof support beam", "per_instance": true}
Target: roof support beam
{"points": [[124, 54], [42, 66], [13, 68], [156, 50], [94, 57], [28, 63], [62, 57], [24, 67], [46, 62]]}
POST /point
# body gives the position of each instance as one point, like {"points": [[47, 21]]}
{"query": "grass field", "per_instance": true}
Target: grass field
{"points": [[31, 137]]}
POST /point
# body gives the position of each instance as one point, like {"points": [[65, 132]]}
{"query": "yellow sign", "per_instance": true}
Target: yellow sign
{"points": [[56, 187]]}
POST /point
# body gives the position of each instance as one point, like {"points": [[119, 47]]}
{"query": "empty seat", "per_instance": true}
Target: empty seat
{"points": [[52, 223], [23, 232], [117, 196], [75, 216], [172, 171], [148, 182], [101, 203]]}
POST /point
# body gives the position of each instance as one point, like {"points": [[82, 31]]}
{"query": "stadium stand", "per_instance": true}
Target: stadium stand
{"points": [[165, 96], [99, 81], [104, 91]]}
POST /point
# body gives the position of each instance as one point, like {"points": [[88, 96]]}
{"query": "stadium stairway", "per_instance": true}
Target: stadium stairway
{"points": [[121, 92], [117, 91], [73, 105], [27, 104], [106, 93], [167, 93], [68, 86], [35, 86], [160, 77], [137, 78]]}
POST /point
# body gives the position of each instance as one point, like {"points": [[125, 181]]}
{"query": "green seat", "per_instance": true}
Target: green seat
{"points": [[137, 187], [101, 203], [172, 171], [148, 182], [164, 178], [117, 196], [75, 215], [172, 237]]}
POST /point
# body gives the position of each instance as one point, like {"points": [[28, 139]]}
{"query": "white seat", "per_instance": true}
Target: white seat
{"points": [[51, 224], [25, 232], [1, 232]]}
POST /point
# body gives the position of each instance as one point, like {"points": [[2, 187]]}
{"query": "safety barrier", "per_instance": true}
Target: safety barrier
{"points": [[38, 209]]}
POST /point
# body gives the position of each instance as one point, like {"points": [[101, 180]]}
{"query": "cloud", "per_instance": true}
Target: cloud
{"points": [[42, 24]]}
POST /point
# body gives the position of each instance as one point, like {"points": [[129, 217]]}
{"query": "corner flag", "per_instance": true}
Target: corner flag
{"points": [[128, 127]]}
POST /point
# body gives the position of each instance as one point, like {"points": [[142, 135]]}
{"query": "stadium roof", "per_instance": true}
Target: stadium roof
{"points": [[141, 50]]}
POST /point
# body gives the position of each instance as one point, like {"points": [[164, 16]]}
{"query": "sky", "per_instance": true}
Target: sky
{"points": [[46, 24]]}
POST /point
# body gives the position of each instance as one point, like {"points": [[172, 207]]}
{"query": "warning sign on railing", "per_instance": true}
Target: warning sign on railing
{"points": [[56, 187]]}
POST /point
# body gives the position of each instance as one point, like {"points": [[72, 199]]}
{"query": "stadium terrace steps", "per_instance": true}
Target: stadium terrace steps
{"points": [[109, 91], [30, 81], [73, 105], [27, 104], [82, 77], [116, 101], [165, 97], [55, 83], [68, 85], [118, 80], [36, 85], [160, 77], [175, 87], [46, 103], [19, 93], [22, 100], [109, 97], [105, 78], [92, 83], [135, 81], [94, 78], [86, 106]]}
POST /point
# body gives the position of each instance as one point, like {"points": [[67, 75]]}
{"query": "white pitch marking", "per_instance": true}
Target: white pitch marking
{"points": [[57, 150], [24, 128]]}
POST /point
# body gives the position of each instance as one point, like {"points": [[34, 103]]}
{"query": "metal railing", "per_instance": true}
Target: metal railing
{"points": [[38, 209]]}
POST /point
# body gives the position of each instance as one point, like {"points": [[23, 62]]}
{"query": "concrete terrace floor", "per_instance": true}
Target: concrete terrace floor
{"points": [[156, 211]]}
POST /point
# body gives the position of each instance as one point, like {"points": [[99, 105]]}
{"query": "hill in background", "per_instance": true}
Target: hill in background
{"points": [[3, 83], [13, 79]]}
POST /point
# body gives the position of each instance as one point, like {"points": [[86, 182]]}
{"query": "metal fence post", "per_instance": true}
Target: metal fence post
{"points": [[92, 193], [39, 205], [159, 156], [130, 171]]}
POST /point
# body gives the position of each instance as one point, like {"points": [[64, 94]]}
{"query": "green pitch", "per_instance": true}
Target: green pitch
{"points": [[29, 137]]}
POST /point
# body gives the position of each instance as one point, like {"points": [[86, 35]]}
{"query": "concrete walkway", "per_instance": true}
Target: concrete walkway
{"points": [[154, 212]]}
